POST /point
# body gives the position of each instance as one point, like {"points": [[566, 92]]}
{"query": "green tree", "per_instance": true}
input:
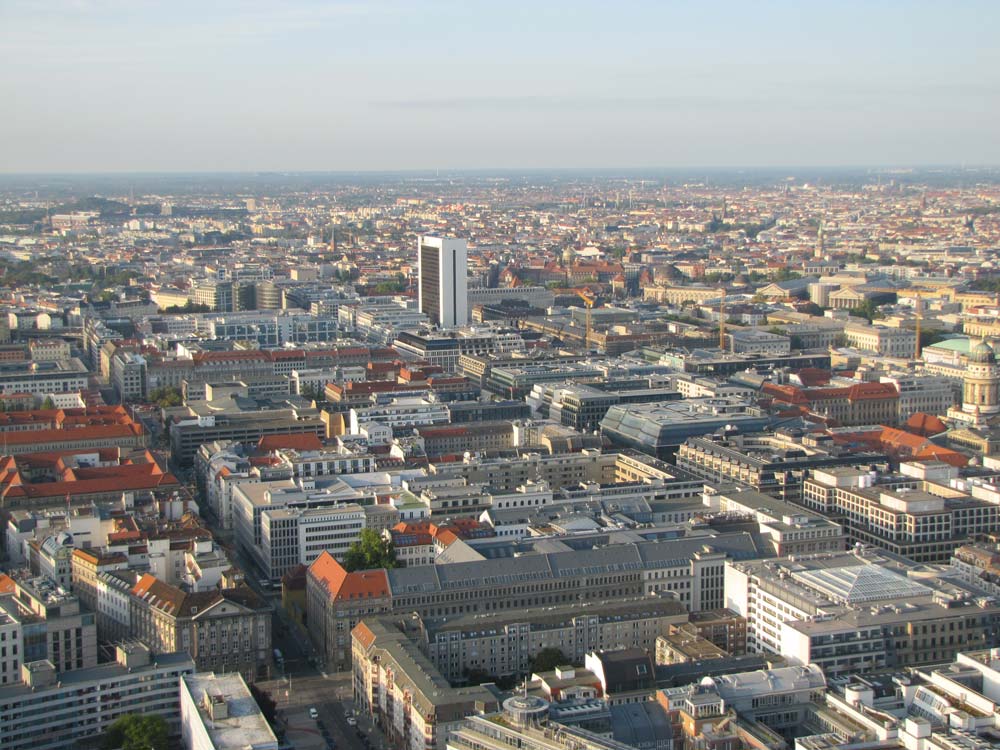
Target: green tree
{"points": [[548, 659], [786, 274], [137, 732], [48, 403], [166, 396], [866, 309], [811, 308], [370, 551]]}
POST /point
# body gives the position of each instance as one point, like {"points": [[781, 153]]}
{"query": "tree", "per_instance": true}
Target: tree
{"points": [[548, 659], [811, 308], [370, 551], [866, 309], [786, 274], [137, 732], [166, 396], [267, 705], [48, 403]]}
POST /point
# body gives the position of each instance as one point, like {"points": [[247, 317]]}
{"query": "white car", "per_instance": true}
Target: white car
{"points": [[351, 721], [313, 713]]}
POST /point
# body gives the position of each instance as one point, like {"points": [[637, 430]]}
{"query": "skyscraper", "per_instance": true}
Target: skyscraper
{"points": [[443, 288]]}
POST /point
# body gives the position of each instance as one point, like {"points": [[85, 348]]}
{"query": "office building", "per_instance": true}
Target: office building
{"points": [[52, 624], [226, 630], [689, 569], [53, 710], [443, 285], [771, 463], [859, 611], [924, 521], [504, 643]]}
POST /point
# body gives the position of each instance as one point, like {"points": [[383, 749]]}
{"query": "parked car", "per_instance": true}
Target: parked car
{"points": [[313, 713]]}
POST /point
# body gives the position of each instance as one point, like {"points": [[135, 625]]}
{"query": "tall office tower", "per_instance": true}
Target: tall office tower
{"points": [[443, 287]]}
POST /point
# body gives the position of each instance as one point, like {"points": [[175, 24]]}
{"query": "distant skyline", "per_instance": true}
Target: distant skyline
{"points": [[127, 85]]}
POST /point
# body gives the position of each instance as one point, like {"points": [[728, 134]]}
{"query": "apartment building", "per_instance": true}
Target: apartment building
{"points": [[87, 565], [406, 697], [52, 710]]}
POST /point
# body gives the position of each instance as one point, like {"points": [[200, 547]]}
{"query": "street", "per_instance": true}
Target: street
{"points": [[298, 684], [330, 696]]}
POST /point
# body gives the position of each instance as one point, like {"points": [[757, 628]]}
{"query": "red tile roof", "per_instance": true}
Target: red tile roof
{"points": [[304, 441], [342, 585]]}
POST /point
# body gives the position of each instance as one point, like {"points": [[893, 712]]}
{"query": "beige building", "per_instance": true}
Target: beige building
{"points": [[888, 342], [504, 643], [405, 696], [224, 631], [924, 521]]}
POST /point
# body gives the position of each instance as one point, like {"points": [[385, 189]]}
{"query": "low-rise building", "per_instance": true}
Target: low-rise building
{"points": [[217, 712]]}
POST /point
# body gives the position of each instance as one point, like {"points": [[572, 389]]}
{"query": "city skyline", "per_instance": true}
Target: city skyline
{"points": [[375, 87]]}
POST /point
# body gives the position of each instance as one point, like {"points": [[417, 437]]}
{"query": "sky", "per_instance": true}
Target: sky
{"points": [[295, 85]]}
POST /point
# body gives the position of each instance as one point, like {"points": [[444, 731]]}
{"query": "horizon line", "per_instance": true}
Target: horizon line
{"points": [[507, 170]]}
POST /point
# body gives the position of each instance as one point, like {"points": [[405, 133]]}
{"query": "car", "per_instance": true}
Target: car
{"points": [[348, 713], [351, 721], [313, 713]]}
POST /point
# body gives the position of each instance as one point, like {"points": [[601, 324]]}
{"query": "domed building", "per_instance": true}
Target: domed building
{"points": [[981, 384]]}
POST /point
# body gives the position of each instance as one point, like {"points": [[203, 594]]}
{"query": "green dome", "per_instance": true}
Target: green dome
{"points": [[982, 352]]}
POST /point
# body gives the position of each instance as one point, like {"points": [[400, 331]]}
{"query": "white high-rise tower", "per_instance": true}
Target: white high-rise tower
{"points": [[443, 285]]}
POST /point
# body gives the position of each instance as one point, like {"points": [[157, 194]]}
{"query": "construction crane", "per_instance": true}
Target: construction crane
{"points": [[722, 321], [588, 300]]}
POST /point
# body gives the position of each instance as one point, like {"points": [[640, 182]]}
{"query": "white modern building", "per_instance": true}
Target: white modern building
{"points": [[294, 536], [443, 285], [218, 713], [51, 710]]}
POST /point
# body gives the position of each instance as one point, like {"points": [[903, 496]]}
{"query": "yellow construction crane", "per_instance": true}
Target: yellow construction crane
{"points": [[722, 321], [588, 300]]}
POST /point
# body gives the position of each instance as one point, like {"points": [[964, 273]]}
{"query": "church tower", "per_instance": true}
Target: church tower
{"points": [[981, 385]]}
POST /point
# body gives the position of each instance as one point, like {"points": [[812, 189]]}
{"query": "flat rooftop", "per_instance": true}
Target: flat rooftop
{"points": [[244, 726]]}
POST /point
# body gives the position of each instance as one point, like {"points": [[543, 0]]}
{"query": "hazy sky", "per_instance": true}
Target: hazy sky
{"points": [[108, 85]]}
